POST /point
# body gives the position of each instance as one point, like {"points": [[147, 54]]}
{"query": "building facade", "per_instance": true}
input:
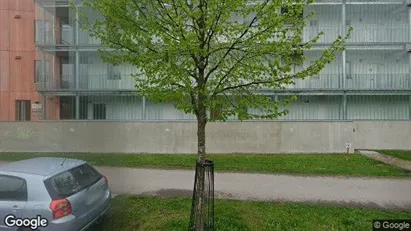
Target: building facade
{"points": [[370, 80], [18, 94]]}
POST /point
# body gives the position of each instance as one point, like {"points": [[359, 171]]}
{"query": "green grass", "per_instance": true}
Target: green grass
{"points": [[150, 213], [405, 155], [307, 164]]}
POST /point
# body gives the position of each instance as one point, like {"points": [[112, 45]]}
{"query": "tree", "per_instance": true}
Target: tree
{"points": [[208, 55]]}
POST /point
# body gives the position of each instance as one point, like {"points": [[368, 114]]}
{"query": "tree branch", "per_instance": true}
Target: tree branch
{"points": [[238, 40]]}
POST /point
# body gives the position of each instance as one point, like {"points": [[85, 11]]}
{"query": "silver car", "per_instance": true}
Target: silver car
{"points": [[49, 194]]}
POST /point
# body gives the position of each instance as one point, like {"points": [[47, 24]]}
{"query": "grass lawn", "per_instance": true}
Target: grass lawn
{"points": [[405, 155], [315, 164], [151, 213]]}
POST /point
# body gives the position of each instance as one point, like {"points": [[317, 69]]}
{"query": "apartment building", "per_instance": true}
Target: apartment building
{"points": [[66, 78], [18, 94]]}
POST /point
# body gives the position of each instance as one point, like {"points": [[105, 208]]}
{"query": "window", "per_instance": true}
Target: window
{"points": [[37, 31], [12, 188], [72, 181], [23, 110], [99, 111], [38, 69], [348, 68], [40, 32], [114, 72]]}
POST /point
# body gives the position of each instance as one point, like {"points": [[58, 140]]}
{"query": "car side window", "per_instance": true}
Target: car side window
{"points": [[12, 188]]}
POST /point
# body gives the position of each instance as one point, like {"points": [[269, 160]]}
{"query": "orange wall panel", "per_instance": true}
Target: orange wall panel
{"points": [[4, 70], [14, 31], [4, 106], [22, 5], [4, 4], [4, 30], [22, 72], [21, 31], [27, 31]]}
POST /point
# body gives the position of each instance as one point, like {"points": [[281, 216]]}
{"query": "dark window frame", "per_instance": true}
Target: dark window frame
{"points": [[26, 104], [101, 112], [24, 185]]}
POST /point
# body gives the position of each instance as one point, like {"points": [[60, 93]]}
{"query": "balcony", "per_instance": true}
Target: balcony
{"points": [[313, 83], [354, 82], [378, 82], [87, 82], [65, 37], [330, 2], [361, 35]]}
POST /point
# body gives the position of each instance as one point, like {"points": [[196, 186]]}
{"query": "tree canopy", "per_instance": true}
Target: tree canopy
{"points": [[207, 54]]}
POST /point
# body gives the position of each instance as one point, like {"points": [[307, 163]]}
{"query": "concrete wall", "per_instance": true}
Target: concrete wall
{"points": [[180, 137]]}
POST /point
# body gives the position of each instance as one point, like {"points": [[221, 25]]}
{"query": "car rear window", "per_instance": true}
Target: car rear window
{"points": [[71, 181]]}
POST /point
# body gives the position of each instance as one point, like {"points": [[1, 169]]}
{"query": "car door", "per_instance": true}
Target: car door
{"points": [[13, 198]]}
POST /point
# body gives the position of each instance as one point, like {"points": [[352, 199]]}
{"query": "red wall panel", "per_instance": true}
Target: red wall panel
{"points": [[4, 4], [4, 106], [4, 29], [4, 70]]}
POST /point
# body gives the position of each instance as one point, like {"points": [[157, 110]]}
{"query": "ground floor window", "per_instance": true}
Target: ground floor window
{"points": [[23, 110]]}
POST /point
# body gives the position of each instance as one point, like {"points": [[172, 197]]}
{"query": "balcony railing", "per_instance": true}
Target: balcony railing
{"points": [[379, 81], [357, 1], [370, 34], [65, 37], [323, 81], [319, 82], [87, 82]]}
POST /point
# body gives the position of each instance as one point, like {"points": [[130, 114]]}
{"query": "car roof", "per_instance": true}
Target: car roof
{"points": [[43, 166]]}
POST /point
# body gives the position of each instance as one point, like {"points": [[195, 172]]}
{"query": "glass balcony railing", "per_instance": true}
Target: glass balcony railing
{"points": [[319, 82], [369, 34]]}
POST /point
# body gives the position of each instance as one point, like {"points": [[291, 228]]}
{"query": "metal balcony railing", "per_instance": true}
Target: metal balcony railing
{"points": [[357, 1], [65, 37], [87, 82], [379, 81], [364, 34], [373, 1], [323, 81], [319, 82]]}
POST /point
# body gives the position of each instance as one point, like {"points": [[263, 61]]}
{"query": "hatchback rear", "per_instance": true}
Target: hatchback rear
{"points": [[71, 194]]}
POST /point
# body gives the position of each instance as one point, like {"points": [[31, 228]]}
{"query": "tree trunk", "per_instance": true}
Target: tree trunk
{"points": [[201, 151]]}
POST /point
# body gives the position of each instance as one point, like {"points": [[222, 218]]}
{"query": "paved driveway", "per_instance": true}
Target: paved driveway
{"points": [[368, 192]]}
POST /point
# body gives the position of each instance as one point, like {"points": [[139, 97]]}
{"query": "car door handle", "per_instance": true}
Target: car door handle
{"points": [[15, 207]]}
